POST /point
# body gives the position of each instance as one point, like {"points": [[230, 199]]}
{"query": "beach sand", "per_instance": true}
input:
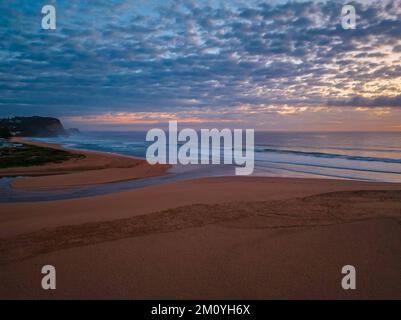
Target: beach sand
{"points": [[211, 238], [95, 168]]}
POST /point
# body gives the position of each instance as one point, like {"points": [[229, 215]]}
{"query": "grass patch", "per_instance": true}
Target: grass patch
{"points": [[27, 155]]}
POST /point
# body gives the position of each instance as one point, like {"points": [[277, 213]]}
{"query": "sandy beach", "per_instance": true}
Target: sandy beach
{"points": [[275, 127], [95, 168], [211, 238]]}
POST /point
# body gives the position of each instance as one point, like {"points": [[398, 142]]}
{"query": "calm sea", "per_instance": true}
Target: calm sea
{"points": [[360, 156]]}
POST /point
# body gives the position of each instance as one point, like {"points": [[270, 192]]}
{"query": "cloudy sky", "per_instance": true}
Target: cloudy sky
{"points": [[270, 65]]}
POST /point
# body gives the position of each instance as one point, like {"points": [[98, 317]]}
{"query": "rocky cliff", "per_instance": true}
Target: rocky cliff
{"points": [[33, 126]]}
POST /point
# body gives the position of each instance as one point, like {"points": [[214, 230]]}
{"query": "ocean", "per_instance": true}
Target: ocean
{"points": [[367, 156]]}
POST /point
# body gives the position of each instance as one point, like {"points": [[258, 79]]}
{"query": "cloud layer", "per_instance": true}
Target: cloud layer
{"points": [[220, 58]]}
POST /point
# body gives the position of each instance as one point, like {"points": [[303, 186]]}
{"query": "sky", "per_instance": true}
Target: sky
{"points": [[268, 65]]}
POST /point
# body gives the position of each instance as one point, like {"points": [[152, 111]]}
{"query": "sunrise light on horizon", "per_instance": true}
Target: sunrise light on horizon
{"points": [[282, 65]]}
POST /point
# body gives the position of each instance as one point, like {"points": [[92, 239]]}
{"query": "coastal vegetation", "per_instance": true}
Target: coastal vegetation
{"points": [[22, 155]]}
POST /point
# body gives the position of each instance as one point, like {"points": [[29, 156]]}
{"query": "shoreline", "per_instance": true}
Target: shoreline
{"points": [[96, 168]]}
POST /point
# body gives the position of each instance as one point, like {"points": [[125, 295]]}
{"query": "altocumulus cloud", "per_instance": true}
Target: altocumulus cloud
{"points": [[159, 56]]}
